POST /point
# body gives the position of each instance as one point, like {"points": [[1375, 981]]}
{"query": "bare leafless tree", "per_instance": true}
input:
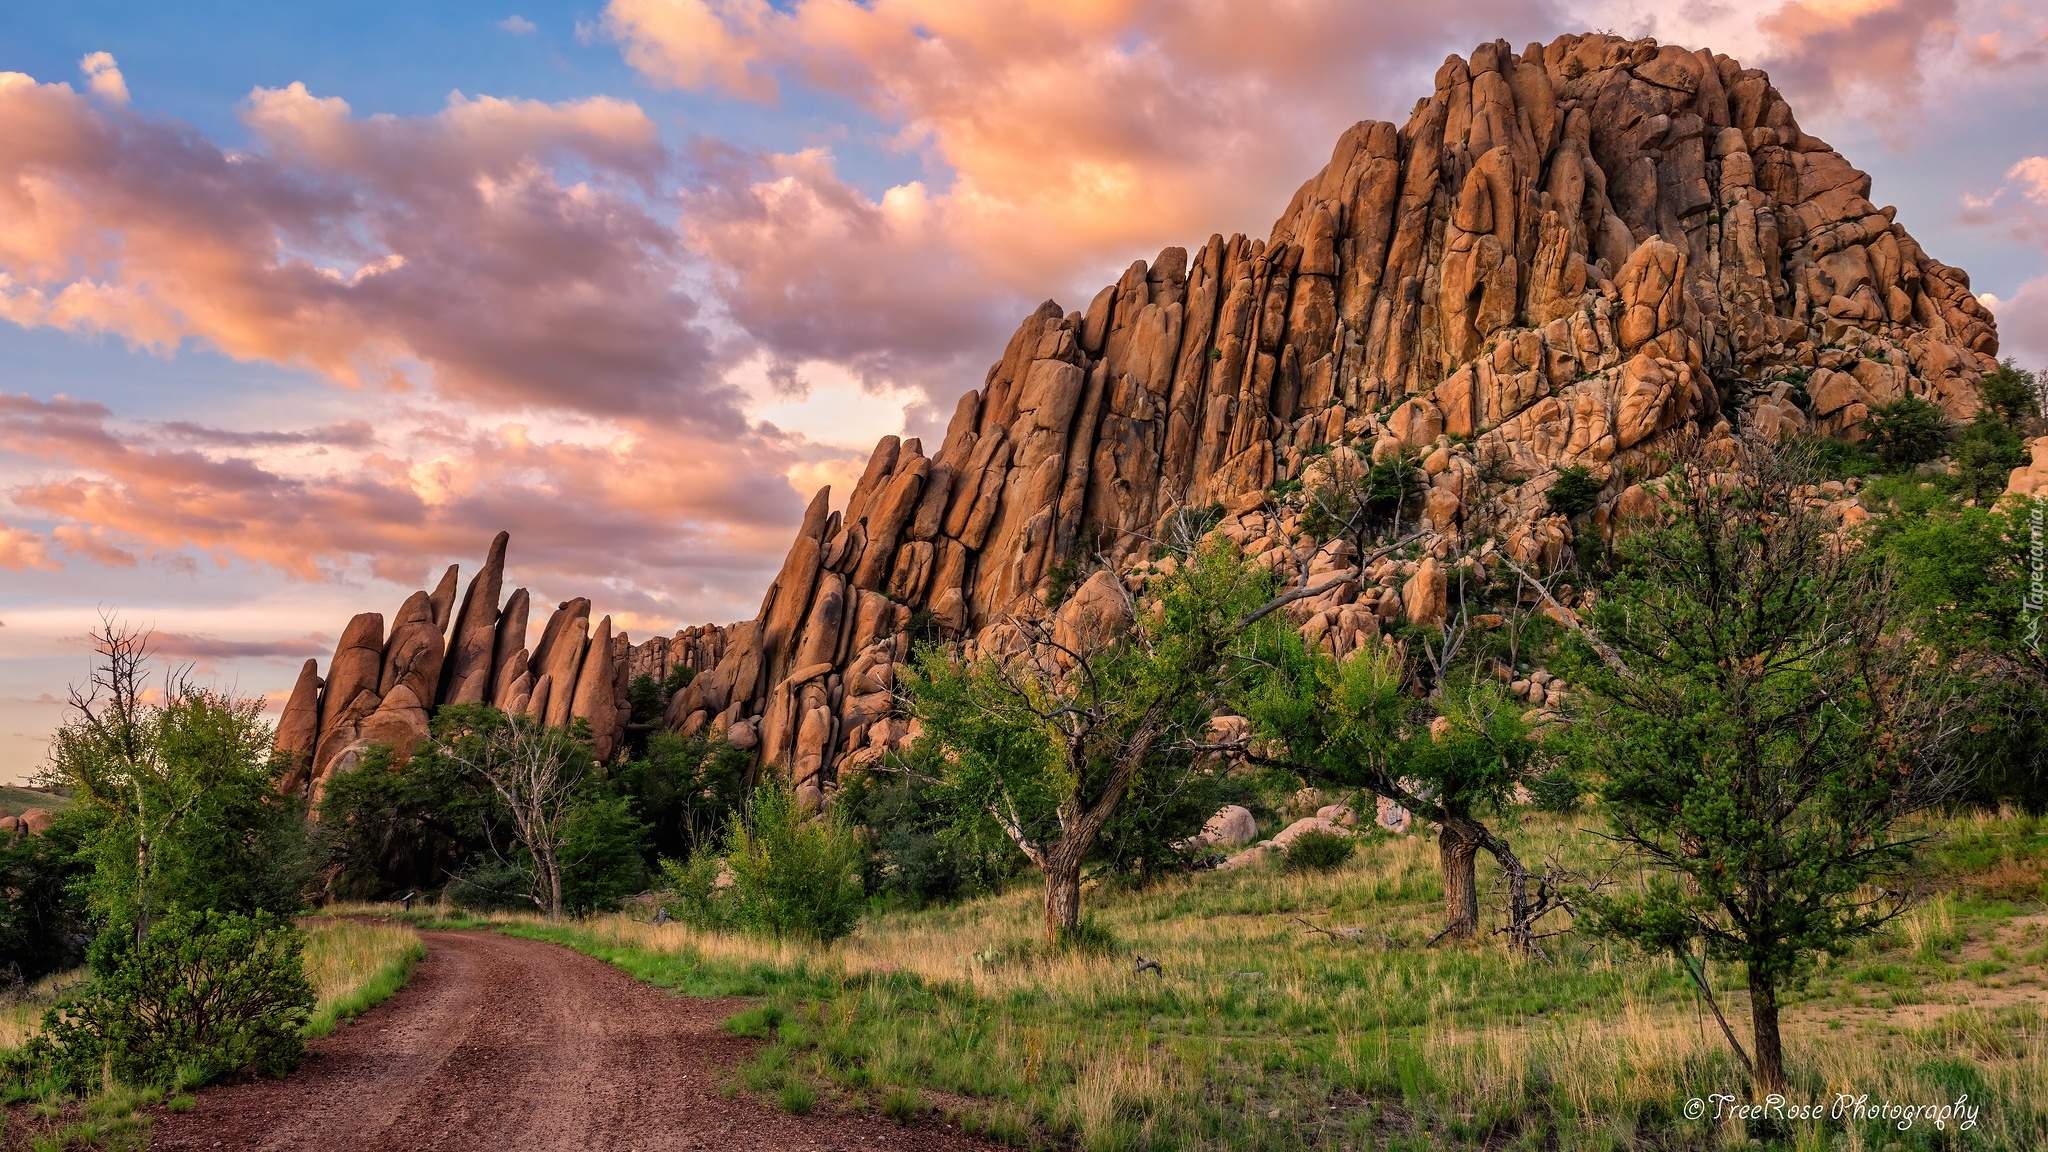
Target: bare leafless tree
{"points": [[535, 770]]}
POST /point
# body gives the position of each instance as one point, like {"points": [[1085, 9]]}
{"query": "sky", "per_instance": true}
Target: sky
{"points": [[301, 303]]}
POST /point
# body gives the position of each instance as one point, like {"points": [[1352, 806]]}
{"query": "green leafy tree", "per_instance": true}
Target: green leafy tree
{"points": [[1353, 723], [208, 994], [922, 846], [1083, 713], [1762, 724], [390, 830], [1906, 432], [181, 794], [537, 772], [44, 924], [1964, 579], [2012, 395], [1986, 452], [684, 789], [603, 853], [1574, 492]]}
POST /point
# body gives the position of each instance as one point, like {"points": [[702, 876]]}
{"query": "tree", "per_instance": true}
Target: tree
{"points": [[2012, 395], [1906, 432], [1762, 723], [536, 771], [1575, 491], [42, 908], [181, 793], [1051, 735], [1354, 723]]}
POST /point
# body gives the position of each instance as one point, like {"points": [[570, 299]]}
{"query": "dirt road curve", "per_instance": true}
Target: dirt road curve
{"points": [[507, 1044]]}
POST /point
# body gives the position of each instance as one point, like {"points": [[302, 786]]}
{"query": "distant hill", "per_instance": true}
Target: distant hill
{"points": [[15, 799]]}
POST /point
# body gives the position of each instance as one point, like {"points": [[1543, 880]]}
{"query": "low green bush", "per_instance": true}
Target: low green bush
{"points": [[205, 995], [783, 873], [1319, 851], [1574, 492]]}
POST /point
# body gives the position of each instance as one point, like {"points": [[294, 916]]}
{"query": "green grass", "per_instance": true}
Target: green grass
{"points": [[1262, 1035], [14, 800]]}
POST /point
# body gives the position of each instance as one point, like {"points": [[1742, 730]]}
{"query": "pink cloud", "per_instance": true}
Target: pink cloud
{"points": [[454, 250], [1058, 139], [666, 523], [2023, 323], [1884, 59], [21, 550], [2018, 207]]}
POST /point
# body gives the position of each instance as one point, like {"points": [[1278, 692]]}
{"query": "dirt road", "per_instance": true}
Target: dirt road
{"points": [[502, 1043]]}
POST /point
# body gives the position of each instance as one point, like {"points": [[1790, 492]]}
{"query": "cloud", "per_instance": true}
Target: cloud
{"points": [[2018, 207], [517, 25], [192, 646], [1056, 139], [2023, 324], [1883, 60], [656, 521], [22, 550], [103, 77], [499, 251], [340, 434]]}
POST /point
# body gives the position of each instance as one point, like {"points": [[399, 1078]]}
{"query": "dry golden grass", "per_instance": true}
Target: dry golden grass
{"points": [[21, 1014], [354, 964]]}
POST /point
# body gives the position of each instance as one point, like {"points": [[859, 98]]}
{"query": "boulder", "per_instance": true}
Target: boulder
{"points": [[1231, 826]]}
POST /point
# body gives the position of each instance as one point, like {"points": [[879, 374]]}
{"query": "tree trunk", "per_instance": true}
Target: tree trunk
{"points": [[554, 888], [1769, 1054], [141, 867], [1456, 849], [1062, 894]]}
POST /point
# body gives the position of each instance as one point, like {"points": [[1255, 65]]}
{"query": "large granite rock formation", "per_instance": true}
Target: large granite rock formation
{"points": [[1586, 253], [1591, 252]]}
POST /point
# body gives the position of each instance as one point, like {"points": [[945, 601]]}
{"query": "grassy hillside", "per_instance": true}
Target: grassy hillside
{"points": [[1262, 1033], [14, 800]]}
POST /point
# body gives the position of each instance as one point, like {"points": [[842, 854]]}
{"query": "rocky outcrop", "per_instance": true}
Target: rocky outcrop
{"points": [[385, 691], [1591, 252]]}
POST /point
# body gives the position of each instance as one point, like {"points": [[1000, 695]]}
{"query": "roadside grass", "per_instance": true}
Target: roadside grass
{"points": [[1259, 1033], [352, 965], [21, 1011]]}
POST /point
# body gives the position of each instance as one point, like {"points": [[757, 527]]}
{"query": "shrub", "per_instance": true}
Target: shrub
{"points": [[2011, 394], [1557, 790], [1574, 492], [206, 995], [1319, 851], [789, 874], [1907, 432], [1986, 453], [922, 846], [42, 899]]}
